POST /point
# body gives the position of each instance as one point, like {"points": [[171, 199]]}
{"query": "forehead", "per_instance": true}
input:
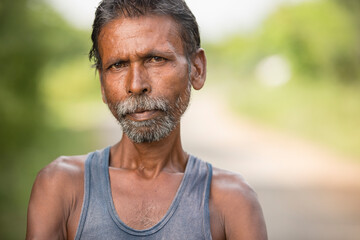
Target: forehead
{"points": [[140, 34]]}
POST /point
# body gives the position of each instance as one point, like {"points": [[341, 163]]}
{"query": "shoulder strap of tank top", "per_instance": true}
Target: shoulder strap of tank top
{"points": [[200, 179], [93, 158]]}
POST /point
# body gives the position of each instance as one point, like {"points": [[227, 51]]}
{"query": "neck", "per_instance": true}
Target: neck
{"points": [[149, 159]]}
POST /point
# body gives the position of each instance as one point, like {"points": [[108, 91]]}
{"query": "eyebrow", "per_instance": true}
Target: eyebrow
{"points": [[151, 53], [155, 52]]}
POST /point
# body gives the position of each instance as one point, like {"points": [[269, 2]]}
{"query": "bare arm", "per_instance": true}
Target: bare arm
{"points": [[236, 209], [52, 200]]}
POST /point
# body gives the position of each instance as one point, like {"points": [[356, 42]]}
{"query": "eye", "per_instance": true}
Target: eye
{"points": [[156, 59], [118, 65]]}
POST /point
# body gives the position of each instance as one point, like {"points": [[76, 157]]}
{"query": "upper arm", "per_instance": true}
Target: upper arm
{"points": [[238, 207], [50, 202]]}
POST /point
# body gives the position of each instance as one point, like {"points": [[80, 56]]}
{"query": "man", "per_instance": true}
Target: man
{"points": [[146, 186]]}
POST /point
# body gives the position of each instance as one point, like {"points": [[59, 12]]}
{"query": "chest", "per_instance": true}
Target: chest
{"points": [[141, 203]]}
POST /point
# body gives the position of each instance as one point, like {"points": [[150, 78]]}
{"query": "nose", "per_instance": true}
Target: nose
{"points": [[138, 80]]}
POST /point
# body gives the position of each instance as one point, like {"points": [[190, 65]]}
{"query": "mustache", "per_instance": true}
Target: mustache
{"points": [[138, 103]]}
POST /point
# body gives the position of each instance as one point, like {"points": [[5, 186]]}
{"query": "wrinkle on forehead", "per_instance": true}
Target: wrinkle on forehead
{"points": [[139, 29]]}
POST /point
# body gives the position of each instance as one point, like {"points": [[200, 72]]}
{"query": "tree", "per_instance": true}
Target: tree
{"points": [[32, 36]]}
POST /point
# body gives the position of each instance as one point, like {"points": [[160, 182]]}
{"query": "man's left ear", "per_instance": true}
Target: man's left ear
{"points": [[198, 69]]}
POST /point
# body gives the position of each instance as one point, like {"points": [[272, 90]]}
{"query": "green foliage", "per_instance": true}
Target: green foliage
{"points": [[32, 35], [18, 177], [353, 9], [317, 37], [72, 93], [320, 39], [32, 38]]}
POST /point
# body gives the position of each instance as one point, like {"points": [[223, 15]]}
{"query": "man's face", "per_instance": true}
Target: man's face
{"points": [[145, 75]]}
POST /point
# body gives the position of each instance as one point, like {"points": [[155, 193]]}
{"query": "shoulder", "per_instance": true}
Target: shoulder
{"points": [[56, 193], [235, 205], [230, 191], [61, 171], [229, 185], [62, 179], [64, 165]]}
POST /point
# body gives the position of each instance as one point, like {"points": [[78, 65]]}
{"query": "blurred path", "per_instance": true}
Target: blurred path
{"points": [[306, 192]]}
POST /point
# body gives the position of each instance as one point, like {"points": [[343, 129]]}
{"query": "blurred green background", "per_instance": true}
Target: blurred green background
{"points": [[299, 72]]}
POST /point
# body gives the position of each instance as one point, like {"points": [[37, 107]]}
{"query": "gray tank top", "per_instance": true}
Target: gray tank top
{"points": [[187, 217]]}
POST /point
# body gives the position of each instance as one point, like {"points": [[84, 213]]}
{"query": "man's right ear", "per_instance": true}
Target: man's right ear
{"points": [[102, 87]]}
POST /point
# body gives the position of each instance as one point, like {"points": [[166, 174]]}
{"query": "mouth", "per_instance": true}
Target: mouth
{"points": [[142, 115]]}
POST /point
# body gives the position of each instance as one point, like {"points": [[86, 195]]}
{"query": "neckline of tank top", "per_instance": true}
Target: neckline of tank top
{"points": [[173, 206]]}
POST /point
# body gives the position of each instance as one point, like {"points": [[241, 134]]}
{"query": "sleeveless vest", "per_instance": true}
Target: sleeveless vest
{"points": [[187, 218]]}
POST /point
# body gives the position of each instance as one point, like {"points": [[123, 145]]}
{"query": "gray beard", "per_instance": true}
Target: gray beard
{"points": [[155, 129]]}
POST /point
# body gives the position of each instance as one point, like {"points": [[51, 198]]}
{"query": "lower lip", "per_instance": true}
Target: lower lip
{"points": [[142, 116]]}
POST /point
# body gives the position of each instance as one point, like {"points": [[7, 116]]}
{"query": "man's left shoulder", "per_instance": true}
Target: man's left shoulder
{"points": [[230, 186], [235, 204]]}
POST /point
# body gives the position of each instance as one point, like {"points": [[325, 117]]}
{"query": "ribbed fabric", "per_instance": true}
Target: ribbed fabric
{"points": [[187, 217]]}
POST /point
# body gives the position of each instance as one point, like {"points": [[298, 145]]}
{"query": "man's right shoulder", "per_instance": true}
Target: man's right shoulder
{"points": [[63, 169], [64, 176], [56, 195]]}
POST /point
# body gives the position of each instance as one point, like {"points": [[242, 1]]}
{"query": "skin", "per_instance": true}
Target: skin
{"points": [[142, 56]]}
